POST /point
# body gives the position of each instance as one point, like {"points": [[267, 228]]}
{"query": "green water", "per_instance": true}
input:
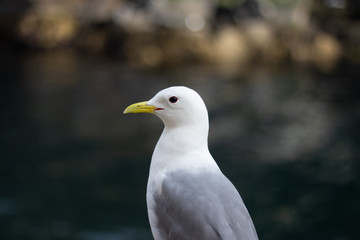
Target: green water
{"points": [[74, 167]]}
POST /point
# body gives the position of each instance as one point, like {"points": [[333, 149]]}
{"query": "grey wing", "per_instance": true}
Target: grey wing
{"points": [[201, 206]]}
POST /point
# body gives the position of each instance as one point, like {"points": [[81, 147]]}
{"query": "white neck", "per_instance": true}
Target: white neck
{"points": [[181, 148]]}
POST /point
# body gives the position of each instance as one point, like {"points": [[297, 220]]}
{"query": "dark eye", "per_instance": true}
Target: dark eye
{"points": [[173, 99]]}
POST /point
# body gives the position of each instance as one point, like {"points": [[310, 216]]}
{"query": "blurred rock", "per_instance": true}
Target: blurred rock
{"points": [[230, 47], [326, 51], [129, 17], [158, 33], [189, 14], [47, 29]]}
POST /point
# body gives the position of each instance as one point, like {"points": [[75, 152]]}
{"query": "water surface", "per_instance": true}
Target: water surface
{"points": [[75, 167]]}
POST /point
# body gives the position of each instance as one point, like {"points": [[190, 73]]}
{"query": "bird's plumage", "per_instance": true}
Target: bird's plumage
{"points": [[185, 209], [188, 197]]}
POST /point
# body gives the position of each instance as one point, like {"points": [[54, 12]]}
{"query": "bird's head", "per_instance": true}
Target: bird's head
{"points": [[176, 107]]}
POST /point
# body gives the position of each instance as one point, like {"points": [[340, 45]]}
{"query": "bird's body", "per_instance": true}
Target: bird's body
{"points": [[185, 209], [188, 197]]}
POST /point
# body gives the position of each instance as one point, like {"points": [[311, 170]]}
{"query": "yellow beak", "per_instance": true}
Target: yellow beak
{"points": [[140, 107]]}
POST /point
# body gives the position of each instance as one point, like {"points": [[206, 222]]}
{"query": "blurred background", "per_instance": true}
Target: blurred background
{"points": [[280, 79]]}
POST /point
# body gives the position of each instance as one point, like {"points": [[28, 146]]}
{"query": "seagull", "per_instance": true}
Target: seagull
{"points": [[188, 197]]}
